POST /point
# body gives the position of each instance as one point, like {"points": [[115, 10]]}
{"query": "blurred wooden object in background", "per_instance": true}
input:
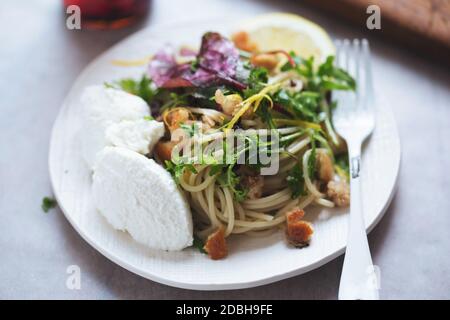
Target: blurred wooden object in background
{"points": [[423, 25]]}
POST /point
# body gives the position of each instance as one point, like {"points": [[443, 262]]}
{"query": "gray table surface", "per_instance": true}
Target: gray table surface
{"points": [[40, 59]]}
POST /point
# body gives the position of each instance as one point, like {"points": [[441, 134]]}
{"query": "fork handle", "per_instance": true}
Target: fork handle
{"points": [[358, 279]]}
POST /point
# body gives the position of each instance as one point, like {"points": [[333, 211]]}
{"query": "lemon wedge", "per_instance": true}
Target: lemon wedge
{"points": [[289, 32]]}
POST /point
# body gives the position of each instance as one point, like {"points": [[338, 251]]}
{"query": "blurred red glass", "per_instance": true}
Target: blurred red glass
{"points": [[109, 14]]}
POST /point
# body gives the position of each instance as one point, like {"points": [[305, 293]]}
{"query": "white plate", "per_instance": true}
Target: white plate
{"points": [[252, 261]]}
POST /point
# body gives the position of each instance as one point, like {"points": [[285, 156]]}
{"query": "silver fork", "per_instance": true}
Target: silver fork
{"points": [[354, 120]]}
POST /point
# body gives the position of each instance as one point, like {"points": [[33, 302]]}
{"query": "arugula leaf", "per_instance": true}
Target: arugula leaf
{"points": [[296, 181], [190, 129], [48, 203], [195, 64], [295, 178], [229, 179], [149, 118], [342, 166], [170, 99], [264, 113], [199, 244], [288, 66], [324, 78], [177, 170], [256, 81], [258, 75], [240, 195], [313, 103], [312, 157], [141, 88], [303, 105], [334, 78], [215, 169]]}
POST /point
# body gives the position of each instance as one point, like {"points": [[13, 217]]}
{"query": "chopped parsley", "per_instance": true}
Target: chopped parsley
{"points": [[141, 88], [177, 170], [199, 244], [48, 203]]}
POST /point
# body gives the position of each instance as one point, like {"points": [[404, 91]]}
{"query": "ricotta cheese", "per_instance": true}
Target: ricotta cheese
{"points": [[112, 117], [137, 195]]}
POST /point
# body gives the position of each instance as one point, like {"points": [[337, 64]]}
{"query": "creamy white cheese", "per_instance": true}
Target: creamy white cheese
{"points": [[113, 117], [137, 195], [139, 136]]}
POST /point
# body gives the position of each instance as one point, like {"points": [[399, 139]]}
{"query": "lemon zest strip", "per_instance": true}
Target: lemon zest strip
{"points": [[301, 123], [254, 100], [132, 63]]}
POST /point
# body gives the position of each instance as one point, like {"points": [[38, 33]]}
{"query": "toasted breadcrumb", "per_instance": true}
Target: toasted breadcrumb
{"points": [[339, 193], [265, 60], [163, 149], [176, 117], [298, 232], [216, 246], [325, 165], [243, 42], [231, 104]]}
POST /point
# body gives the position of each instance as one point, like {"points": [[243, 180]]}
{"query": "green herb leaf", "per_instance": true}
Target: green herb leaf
{"points": [[256, 81], [264, 112], [141, 88], [303, 105], [190, 129], [215, 169], [312, 104], [229, 179], [199, 244], [240, 195], [324, 78], [168, 99], [195, 64], [296, 181], [334, 78], [177, 170], [342, 163], [48, 203], [312, 158]]}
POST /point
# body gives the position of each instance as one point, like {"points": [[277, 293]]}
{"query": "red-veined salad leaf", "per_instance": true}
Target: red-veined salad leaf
{"points": [[215, 64]]}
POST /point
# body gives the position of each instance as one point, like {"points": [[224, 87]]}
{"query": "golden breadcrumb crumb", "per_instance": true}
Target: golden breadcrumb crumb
{"points": [[298, 232], [216, 246]]}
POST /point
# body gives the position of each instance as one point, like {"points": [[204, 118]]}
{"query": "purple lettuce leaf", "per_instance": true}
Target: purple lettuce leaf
{"points": [[218, 54], [217, 62], [165, 72]]}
